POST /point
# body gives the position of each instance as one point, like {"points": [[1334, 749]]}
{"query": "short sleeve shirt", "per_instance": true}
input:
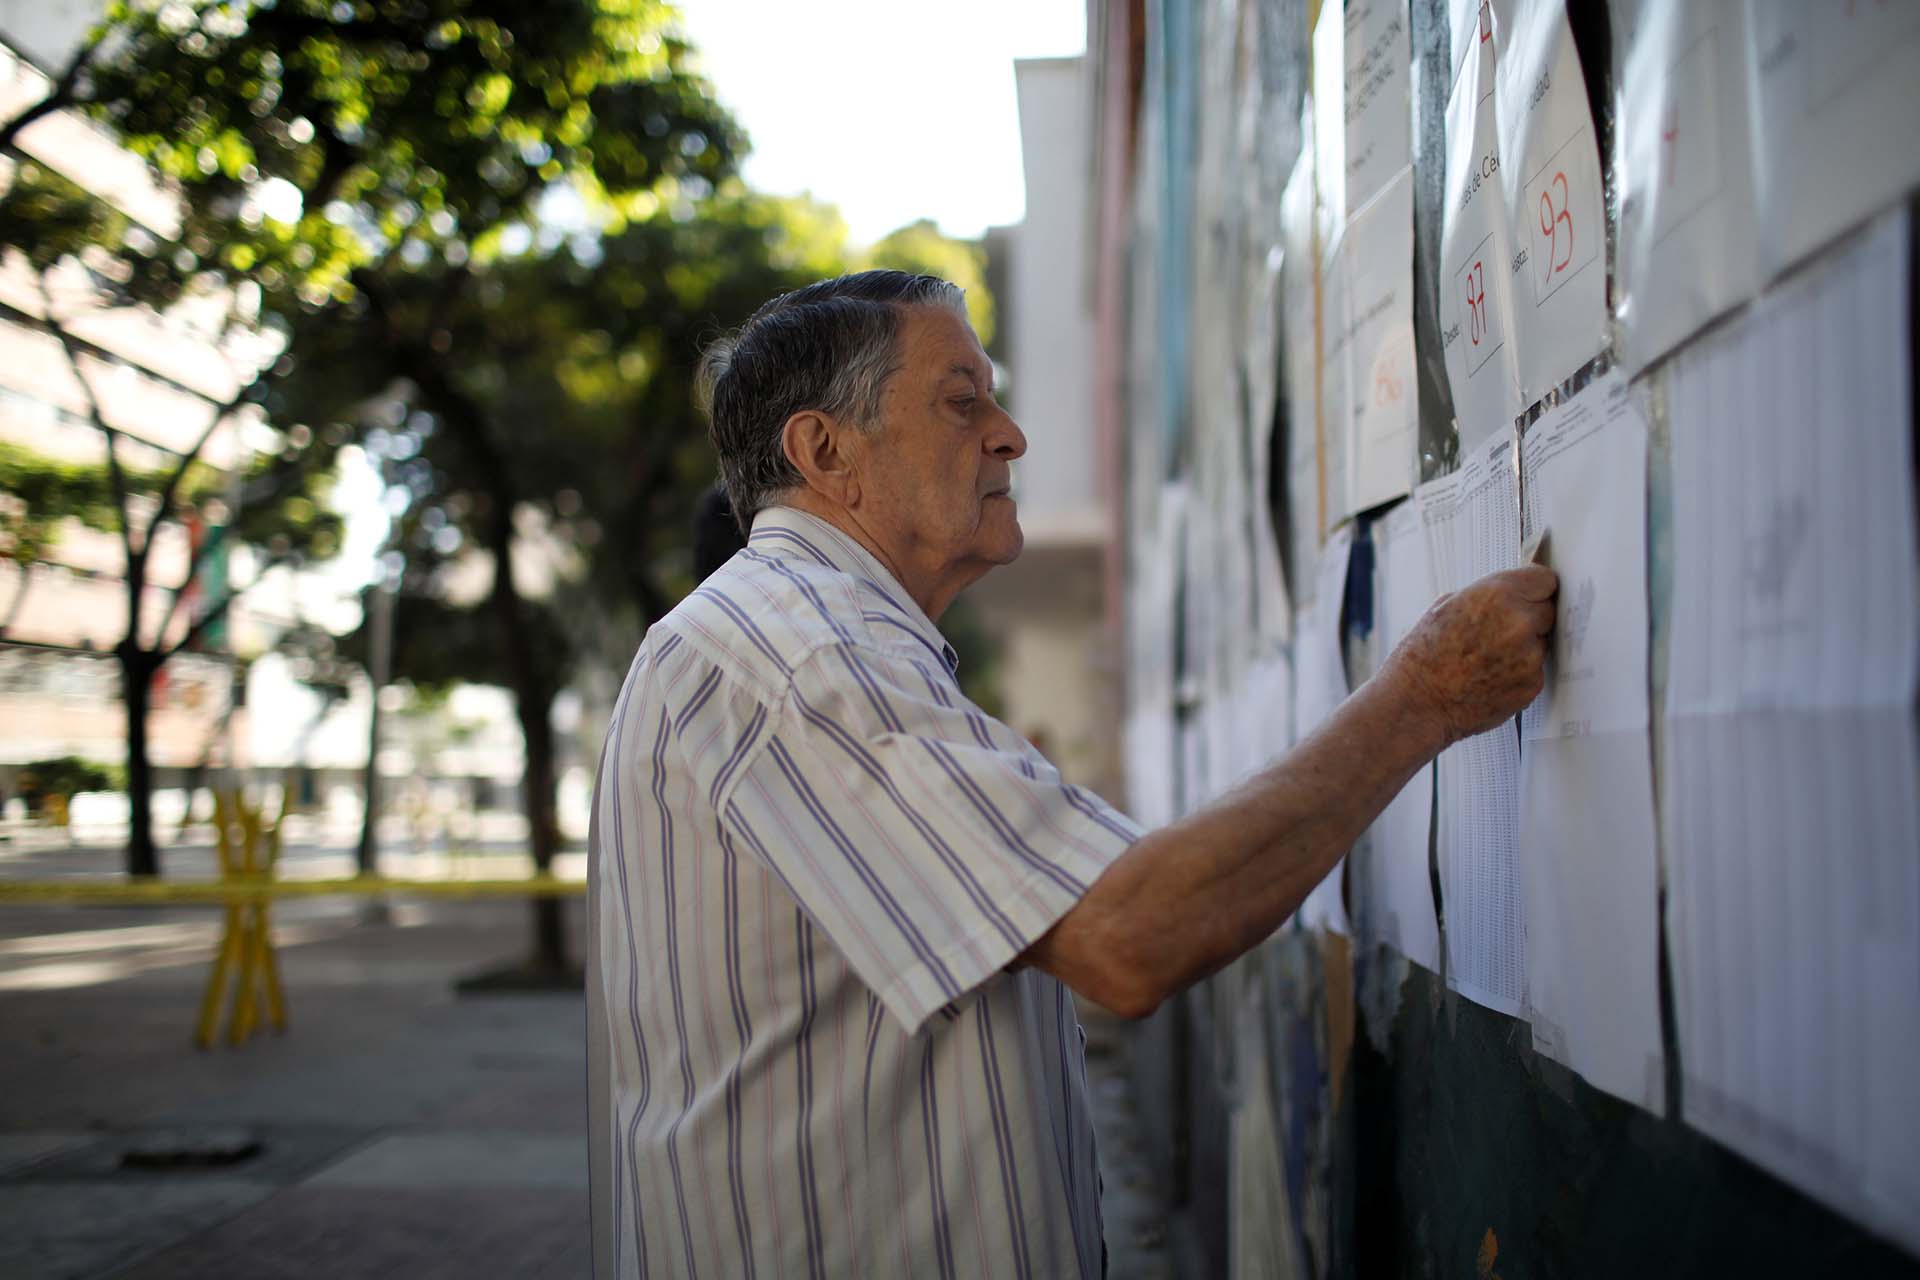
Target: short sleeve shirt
{"points": [[813, 860]]}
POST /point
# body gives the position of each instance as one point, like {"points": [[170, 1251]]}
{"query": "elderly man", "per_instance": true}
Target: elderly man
{"points": [[837, 909]]}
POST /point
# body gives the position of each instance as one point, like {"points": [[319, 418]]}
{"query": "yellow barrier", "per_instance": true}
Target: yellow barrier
{"points": [[159, 892], [246, 948], [247, 850]]}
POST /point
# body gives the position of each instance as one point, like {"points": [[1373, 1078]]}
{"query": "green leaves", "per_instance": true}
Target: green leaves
{"points": [[37, 494]]}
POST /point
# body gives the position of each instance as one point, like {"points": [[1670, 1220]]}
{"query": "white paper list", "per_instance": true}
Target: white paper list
{"points": [[1588, 860], [1473, 528], [1397, 891], [1793, 833], [1794, 561]]}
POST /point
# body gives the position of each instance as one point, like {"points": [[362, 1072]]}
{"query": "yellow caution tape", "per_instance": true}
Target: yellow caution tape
{"points": [[228, 891]]}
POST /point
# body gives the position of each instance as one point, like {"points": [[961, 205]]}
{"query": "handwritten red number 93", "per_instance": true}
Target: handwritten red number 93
{"points": [[1476, 302], [1556, 224]]}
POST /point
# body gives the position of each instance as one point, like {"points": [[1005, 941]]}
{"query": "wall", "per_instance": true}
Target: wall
{"points": [[1326, 1106]]}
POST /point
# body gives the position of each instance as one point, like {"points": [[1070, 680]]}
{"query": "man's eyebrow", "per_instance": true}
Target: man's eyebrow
{"points": [[970, 371]]}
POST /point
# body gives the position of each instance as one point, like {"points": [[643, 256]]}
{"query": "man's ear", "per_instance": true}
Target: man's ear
{"points": [[820, 448]]}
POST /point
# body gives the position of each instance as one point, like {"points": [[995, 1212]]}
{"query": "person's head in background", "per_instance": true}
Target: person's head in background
{"points": [[716, 535]]}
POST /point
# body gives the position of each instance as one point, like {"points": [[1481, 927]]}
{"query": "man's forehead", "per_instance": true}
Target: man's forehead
{"points": [[942, 342]]}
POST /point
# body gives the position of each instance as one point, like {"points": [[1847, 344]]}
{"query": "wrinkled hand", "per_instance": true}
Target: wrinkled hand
{"points": [[1478, 657]]}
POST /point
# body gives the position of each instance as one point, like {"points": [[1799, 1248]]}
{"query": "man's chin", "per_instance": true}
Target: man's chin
{"points": [[1007, 538]]}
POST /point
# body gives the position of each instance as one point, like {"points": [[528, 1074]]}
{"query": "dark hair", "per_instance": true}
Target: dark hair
{"points": [[828, 347]]}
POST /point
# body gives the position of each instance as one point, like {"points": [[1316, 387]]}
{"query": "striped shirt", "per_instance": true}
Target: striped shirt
{"points": [[812, 860]]}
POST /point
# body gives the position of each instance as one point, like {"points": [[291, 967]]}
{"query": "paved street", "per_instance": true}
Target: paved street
{"points": [[396, 1129]]}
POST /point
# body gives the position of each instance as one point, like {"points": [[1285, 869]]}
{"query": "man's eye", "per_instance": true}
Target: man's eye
{"points": [[964, 404]]}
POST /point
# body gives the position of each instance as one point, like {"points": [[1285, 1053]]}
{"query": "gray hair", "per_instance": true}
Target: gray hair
{"points": [[829, 347]]}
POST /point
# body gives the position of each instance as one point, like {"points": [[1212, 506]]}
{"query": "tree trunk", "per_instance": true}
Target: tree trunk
{"points": [[136, 680], [379, 671], [533, 701], [532, 691]]}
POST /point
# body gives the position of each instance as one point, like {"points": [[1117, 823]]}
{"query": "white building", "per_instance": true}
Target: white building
{"points": [[1060, 667], [158, 380]]}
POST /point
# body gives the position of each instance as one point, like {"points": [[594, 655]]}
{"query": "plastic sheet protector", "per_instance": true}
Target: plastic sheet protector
{"points": [[1588, 862], [1792, 812], [1398, 909], [1320, 686], [1550, 181], [1523, 287], [1682, 146], [1385, 427], [1472, 519], [1379, 113], [1476, 310], [1836, 109]]}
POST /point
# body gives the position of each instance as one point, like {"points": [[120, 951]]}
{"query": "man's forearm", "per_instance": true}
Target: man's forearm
{"points": [[1187, 899]]}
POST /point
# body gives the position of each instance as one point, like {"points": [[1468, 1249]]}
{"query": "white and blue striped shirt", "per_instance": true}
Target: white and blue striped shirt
{"points": [[812, 860]]}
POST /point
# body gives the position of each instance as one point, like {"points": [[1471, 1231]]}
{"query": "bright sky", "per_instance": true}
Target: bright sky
{"points": [[891, 109]]}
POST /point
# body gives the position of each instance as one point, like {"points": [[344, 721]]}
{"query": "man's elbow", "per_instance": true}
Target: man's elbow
{"points": [[1126, 992]]}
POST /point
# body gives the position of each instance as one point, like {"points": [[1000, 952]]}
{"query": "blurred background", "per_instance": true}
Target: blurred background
{"points": [[347, 450], [393, 357]]}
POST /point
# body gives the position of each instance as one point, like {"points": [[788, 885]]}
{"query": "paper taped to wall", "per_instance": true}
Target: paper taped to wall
{"points": [[1476, 311], [1385, 427], [1588, 862], [1395, 896], [1472, 520], [1790, 763], [1379, 115], [1689, 247], [1836, 109], [1550, 181]]}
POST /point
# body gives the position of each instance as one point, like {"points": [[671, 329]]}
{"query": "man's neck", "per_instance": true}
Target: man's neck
{"points": [[932, 597]]}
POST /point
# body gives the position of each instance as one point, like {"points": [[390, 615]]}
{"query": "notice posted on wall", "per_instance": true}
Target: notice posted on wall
{"points": [[1682, 146], [1523, 280], [1588, 860], [1837, 106], [1472, 519], [1550, 182], [1475, 309], [1792, 817], [1378, 60], [1384, 430]]}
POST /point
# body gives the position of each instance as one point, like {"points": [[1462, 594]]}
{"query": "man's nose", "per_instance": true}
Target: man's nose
{"points": [[1005, 440]]}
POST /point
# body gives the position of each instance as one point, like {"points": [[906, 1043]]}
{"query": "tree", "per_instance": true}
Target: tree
{"points": [[571, 367], [921, 247], [346, 162], [592, 344]]}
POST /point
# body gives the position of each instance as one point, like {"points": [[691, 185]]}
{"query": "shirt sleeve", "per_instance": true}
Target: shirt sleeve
{"points": [[924, 837]]}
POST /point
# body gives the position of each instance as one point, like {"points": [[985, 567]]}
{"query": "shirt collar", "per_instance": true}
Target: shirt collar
{"points": [[794, 534]]}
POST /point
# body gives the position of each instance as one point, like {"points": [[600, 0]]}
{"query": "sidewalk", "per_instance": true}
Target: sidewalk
{"points": [[401, 1130]]}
